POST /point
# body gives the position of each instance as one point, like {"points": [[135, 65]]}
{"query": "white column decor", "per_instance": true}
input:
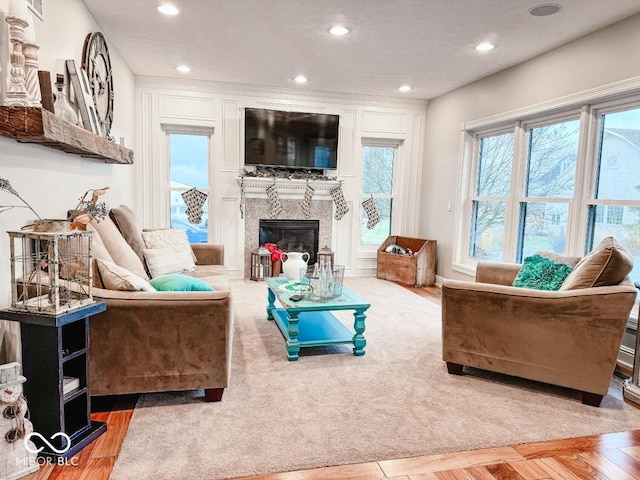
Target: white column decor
{"points": [[17, 92], [30, 50]]}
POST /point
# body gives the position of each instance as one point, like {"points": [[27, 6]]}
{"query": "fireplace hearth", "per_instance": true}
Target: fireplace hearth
{"points": [[291, 235]]}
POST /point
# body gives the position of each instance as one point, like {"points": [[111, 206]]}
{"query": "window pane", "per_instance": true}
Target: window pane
{"points": [[625, 228], [494, 165], [197, 233], [378, 234], [487, 230], [188, 160], [378, 170], [544, 227], [552, 160], [619, 177]]}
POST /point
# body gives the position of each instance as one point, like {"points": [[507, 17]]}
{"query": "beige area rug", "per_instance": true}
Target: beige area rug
{"points": [[332, 408]]}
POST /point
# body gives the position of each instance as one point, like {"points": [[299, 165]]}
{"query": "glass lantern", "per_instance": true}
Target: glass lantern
{"points": [[50, 271], [325, 257], [260, 264]]}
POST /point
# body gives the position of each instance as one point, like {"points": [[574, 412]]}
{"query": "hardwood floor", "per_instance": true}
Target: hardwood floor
{"points": [[614, 456]]}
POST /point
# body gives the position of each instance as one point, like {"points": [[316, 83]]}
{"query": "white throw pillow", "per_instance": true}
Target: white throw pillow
{"points": [[167, 238], [163, 261], [115, 277]]}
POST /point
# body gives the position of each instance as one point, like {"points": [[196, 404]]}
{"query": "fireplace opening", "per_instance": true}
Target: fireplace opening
{"points": [[292, 235]]}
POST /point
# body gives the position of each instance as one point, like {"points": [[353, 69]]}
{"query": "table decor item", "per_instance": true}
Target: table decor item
{"points": [[292, 262]]}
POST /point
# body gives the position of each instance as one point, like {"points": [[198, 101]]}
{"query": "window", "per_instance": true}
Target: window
{"points": [[188, 168], [559, 182], [377, 183]]}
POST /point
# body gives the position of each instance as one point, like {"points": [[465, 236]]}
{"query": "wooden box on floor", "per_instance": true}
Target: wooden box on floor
{"points": [[418, 269]]}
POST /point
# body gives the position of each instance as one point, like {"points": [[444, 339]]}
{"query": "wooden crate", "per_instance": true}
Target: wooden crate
{"points": [[418, 269]]}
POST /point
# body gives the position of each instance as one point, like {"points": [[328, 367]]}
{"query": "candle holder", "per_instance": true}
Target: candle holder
{"points": [[17, 91], [260, 264]]}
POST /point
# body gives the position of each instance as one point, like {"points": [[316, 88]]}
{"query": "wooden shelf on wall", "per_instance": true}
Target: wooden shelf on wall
{"points": [[37, 125]]}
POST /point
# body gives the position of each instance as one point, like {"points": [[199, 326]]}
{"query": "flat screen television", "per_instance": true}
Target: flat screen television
{"points": [[290, 139]]}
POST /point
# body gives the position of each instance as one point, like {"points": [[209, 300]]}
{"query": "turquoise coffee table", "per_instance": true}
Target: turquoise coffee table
{"points": [[311, 324]]}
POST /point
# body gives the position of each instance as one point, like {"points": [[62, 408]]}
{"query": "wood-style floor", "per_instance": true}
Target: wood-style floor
{"points": [[614, 456]]}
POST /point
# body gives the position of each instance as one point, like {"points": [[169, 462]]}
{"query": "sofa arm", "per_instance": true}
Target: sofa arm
{"points": [[497, 273], [208, 253]]}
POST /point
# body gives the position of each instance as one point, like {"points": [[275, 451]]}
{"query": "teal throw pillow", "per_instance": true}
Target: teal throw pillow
{"points": [[541, 273], [177, 282]]}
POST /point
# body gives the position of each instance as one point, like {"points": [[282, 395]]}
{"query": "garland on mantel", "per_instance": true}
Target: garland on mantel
{"points": [[288, 173]]}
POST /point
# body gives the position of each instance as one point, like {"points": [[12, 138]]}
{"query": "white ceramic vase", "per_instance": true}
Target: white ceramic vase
{"points": [[292, 262]]}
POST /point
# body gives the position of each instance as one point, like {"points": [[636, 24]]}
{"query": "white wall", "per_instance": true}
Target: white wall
{"points": [[603, 57], [220, 107], [50, 180]]}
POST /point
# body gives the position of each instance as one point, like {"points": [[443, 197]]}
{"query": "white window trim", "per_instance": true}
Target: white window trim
{"points": [[590, 104]]}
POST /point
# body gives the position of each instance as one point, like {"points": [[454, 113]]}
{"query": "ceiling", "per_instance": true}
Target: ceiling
{"points": [[427, 44]]}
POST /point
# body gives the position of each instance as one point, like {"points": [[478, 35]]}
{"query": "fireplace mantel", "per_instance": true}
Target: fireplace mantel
{"points": [[256, 187]]}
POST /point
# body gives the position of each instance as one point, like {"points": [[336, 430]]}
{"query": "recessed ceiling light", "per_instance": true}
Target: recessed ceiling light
{"points": [[168, 10], [405, 88], [300, 79], [183, 69], [545, 9], [339, 30], [485, 47]]}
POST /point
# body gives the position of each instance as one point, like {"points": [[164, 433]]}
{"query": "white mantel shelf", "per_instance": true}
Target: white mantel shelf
{"points": [[288, 189]]}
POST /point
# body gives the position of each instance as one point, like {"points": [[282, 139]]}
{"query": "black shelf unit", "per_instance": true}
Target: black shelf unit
{"points": [[55, 346]]}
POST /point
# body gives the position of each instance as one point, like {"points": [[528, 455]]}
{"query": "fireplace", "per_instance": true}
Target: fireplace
{"points": [[291, 235]]}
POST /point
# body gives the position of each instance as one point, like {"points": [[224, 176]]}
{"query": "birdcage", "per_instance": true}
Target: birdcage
{"points": [[50, 271]]}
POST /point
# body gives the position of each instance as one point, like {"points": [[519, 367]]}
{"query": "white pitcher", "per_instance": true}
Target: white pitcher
{"points": [[292, 262]]}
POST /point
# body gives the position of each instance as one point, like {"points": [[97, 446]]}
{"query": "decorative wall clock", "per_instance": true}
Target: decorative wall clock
{"points": [[97, 64]]}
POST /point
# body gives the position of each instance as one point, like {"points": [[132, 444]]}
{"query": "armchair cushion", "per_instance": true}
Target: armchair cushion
{"points": [[541, 273], [607, 264]]}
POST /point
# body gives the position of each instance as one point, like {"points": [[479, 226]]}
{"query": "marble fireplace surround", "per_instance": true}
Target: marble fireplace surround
{"points": [[290, 193]]}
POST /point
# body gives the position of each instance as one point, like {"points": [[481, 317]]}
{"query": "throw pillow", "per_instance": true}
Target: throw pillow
{"points": [[607, 264], [168, 237], [541, 273], [178, 282], [126, 221], [118, 278], [163, 261]]}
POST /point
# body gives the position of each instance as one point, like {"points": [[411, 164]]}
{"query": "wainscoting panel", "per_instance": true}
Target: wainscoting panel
{"points": [[383, 122], [348, 143], [229, 233], [187, 107], [230, 136]]}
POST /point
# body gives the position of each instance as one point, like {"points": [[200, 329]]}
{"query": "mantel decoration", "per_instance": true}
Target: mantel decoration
{"points": [[97, 63], [17, 94]]}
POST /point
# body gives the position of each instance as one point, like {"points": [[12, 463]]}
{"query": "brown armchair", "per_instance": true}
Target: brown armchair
{"points": [[569, 338]]}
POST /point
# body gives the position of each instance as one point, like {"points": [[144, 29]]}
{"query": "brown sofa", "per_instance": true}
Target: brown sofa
{"points": [[159, 341], [569, 337]]}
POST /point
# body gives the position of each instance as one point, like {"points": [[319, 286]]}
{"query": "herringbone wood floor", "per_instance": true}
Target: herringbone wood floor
{"points": [[614, 456]]}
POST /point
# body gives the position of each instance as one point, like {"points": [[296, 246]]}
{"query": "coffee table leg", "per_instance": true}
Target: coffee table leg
{"points": [[359, 341], [271, 298], [293, 346]]}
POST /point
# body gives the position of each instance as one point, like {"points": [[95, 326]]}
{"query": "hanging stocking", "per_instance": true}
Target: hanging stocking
{"points": [[275, 206], [242, 198], [194, 199], [341, 206], [306, 201], [370, 208]]}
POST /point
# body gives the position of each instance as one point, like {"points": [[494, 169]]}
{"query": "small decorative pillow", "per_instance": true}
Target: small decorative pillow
{"points": [[541, 274], [178, 282], [168, 237], [115, 277], [163, 261]]}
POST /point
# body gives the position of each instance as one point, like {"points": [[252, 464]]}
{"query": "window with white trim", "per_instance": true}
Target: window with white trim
{"points": [[188, 168], [377, 183], [559, 182]]}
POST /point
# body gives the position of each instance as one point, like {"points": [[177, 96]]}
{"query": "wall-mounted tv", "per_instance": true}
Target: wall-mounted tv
{"points": [[290, 139]]}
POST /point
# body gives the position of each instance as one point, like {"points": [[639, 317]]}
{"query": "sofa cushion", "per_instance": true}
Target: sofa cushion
{"points": [[607, 264], [167, 237], [541, 273], [77, 264], [570, 260], [120, 251], [118, 278], [163, 261], [179, 283], [126, 221]]}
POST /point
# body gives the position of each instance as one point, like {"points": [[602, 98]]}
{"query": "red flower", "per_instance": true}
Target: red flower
{"points": [[276, 252]]}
